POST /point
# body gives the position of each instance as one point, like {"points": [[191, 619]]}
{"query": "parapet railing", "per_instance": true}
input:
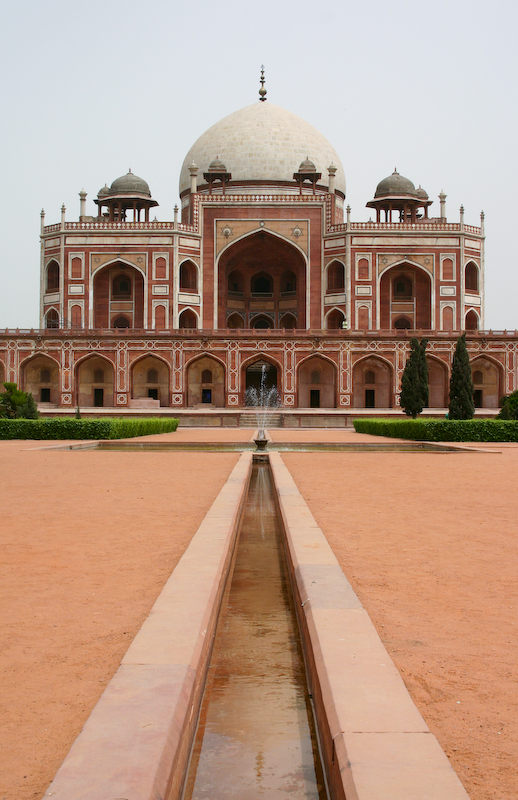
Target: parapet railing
{"points": [[338, 333]]}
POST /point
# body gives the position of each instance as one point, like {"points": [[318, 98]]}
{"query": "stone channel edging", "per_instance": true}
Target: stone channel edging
{"points": [[374, 741], [136, 742]]}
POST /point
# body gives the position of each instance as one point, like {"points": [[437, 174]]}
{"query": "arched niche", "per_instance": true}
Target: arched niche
{"points": [[261, 322], [261, 274], [317, 383], [203, 392], [405, 292], [372, 383], [335, 277], [188, 320], [261, 372], [188, 277], [121, 322], [150, 378], [438, 383], [448, 319], [51, 319], [471, 280], [40, 376], [52, 277], [335, 320], [95, 382], [489, 383], [288, 322], [118, 293], [402, 324], [235, 321], [472, 321]]}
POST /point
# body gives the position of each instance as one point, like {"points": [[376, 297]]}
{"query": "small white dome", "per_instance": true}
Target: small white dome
{"points": [[262, 142]]}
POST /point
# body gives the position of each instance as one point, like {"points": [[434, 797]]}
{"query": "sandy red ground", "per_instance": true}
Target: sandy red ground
{"points": [[87, 539], [429, 542], [430, 545]]}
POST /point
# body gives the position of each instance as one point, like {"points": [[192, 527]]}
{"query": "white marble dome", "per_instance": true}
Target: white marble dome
{"points": [[262, 142]]}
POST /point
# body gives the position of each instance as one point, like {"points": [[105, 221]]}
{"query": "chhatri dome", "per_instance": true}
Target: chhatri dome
{"points": [[263, 143]]}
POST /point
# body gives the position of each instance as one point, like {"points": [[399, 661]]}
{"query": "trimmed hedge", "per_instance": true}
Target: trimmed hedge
{"points": [[70, 428], [431, 430]]}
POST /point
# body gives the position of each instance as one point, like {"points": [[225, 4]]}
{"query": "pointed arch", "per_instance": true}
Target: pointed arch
{"points": [[472, 320], [377, 393], [438, 382], [334, 319], [150, 378], [40, 376], [489, 390], [188, 319], [471, 277], [405, 291], [95, 381], [317, 382], [235, 321], [52, 319], [188, 276], [118, 286], [52, 281], [203, 392], [335, 277]]}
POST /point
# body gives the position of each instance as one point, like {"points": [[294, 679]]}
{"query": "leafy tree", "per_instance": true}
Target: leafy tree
{"points": [[461, 383], [414, 383], [509, 405], [15, 404]]}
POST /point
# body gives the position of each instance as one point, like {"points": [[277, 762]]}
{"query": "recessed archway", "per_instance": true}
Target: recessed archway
{"points": [[487, 382], [372, 383], [188, 320], [261, 375], [472, 321], [406, 293], [118, 287], [335, 320], [438, 388], [317, 383], [51, 319], [206, 382], [150, 379], [52, 278], [95, 382], [40, 377], [262, 274]]}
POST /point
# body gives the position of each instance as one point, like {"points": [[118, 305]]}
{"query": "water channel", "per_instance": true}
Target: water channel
{"points": [[255, 736]]}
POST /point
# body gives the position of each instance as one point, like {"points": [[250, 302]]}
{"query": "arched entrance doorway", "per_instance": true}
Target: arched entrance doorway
{"points": [[41, 379], [372, 383], [150, 379], [487, 383], [317, 384], [437, 383], [206, 383], [95, 382], [261, 382], [262, 276]]}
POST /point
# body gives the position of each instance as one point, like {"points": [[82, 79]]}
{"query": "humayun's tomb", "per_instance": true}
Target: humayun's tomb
{"points": [[261, 265]]}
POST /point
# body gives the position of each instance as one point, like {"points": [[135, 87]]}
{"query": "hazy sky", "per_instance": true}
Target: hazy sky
{"points": [[91, 89]]}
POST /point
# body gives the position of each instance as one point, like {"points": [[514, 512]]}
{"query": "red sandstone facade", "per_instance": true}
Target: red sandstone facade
{"points": [[176, 314]]}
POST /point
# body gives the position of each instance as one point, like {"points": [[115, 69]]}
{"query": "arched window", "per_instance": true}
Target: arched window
{"points": [[262, 284], [53, 277], [478, 376], [335, 277], [121, 288], [235, 282], [260, 323], [99, 376], [402, 323], [120, 322], [314, 376], [335, 319], [52, 319], [370, 376], [288, 322], [188, 277], [235, 321], [471, 281], [152, 376], [402, 288], [471, 321], [44, 375], [188, 320], [288, 282], [206, 376]]}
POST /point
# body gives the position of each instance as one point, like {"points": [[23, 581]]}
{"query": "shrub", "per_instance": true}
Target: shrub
{"points": [[15, 404], [431, 430], [70, 428], [509, 404]]}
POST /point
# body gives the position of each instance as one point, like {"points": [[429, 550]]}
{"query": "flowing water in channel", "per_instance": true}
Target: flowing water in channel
{"points": [[255, 737]]}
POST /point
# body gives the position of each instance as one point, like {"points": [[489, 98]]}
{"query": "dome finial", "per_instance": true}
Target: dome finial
{"points": [[262, 90]]}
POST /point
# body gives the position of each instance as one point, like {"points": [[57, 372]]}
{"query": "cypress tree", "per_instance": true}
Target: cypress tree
{"points": [[461, 383], [414, 383]]}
